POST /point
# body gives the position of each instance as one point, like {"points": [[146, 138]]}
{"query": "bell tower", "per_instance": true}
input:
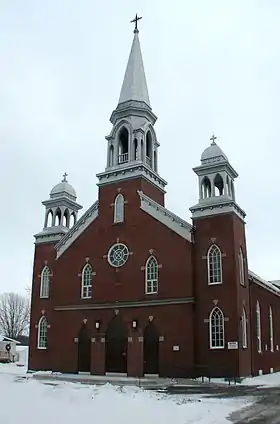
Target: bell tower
{"points": [[132, 145], [220, 268]]}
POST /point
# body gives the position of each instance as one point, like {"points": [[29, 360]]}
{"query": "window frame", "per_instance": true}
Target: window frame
{"points": [[87, 286], [45, 282], [210, 261], [153, 282], [212, 324], [244, 329], [271, 329], [119, 209], [258, 327], [241, 264], [42, 321]]}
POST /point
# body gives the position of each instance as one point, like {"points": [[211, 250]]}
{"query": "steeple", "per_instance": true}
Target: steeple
{"points": [[216, 184], [134, 85], [132, 144]]}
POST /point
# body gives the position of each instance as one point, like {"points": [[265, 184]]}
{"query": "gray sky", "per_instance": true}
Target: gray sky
{"points": [[210, 66]]}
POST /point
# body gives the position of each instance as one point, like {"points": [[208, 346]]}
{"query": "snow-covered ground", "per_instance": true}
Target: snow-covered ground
{"points": [[29, 400]]}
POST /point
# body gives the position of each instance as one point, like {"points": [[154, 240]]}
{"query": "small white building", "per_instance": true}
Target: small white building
{"points": [[8, 349]]}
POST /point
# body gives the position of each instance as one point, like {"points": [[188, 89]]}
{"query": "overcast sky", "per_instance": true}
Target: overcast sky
{"points": [[210, 66]]}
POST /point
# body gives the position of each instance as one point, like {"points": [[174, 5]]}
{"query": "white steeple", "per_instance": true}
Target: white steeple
{"points": [[132, 143], [216, 184], [134, 85]]}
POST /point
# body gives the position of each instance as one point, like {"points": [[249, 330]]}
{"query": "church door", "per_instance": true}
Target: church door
{"points": [[116, 346], [151, 349], [84, 347]]}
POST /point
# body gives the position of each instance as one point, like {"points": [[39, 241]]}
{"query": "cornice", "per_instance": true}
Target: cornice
{"points": [[216, 207], [121, 305], [128, 171]]}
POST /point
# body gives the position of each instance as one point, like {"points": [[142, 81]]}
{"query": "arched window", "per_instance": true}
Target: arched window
{"points": [[206, 188], [86, 291], [259, 335], [214, 261], [42, 333], [241, 267], [244, 329], [217, 329], [151, 275], [271, 338], [218, 185], [123, 145], [119, 208], [45, 282]]}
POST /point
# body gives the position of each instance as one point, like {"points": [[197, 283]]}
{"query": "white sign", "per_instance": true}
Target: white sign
{"points": [[232, 345], [176, 348]]}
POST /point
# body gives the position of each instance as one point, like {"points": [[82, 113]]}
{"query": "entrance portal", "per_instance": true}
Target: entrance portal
{"points": [[151, 349], [84, 347], [116, 346]]}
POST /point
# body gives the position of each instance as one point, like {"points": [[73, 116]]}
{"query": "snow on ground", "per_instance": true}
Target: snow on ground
{"points": [[266, 380], [28, 400]]}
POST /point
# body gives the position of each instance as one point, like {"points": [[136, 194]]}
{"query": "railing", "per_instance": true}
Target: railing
{"points": [[123, 158], [148, 161]]}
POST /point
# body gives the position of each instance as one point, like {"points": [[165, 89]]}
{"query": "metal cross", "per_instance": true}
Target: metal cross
{"points": [[213, 138], [64, 177], [135, 20]]}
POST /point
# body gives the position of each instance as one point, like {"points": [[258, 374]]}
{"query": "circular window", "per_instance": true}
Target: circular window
{"points": [[118, 255]]}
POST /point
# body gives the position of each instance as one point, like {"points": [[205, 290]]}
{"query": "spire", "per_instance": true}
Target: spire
{"points": [[134, 85]]}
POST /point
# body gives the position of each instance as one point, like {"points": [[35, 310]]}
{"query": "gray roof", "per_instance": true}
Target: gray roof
{"points": [[63, 188], [134, 85], [213, 152]]}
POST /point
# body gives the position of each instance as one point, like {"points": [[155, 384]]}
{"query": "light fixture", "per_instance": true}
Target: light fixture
{"points": [[134, 324], [97, 325]]}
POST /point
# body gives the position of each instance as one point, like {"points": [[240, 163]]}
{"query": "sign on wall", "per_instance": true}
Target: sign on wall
{"points": [[176, 348], [232, 345]]}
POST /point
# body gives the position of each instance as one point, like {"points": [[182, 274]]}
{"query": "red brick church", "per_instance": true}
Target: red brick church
{"points": [[131, 288]]}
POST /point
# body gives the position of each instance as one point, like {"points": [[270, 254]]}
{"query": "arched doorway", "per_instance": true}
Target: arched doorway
{"points": [[84, 347], [116, 346], [151, 349]]}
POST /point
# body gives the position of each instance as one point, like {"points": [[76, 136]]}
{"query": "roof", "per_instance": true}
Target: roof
{"points": [[213, 152], [63, 188], [264, 283], [8, 339], [134, 85]]}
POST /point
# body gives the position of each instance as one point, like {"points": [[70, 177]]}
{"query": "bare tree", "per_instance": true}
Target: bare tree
{"points": [[14, 314]]}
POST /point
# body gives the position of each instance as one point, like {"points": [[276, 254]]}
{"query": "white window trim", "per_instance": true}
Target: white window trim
{"points": [[241, 267], [208, 265], [271, 330], [119, 209], [244, 329], [210, 329], [83, 285], [258, 325], [146, 276], [43, 318], [44, 270]]}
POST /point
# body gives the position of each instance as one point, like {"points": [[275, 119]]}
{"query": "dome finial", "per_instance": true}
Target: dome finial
{"points": [[64, 180], [135, 20], [213, 138]]}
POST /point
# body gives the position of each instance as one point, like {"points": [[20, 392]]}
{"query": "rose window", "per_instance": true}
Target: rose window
{"points": [[118, 255]]}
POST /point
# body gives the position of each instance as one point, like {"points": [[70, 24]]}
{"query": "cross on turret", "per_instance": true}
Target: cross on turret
{"points": [[64, 177], [213, 138]]}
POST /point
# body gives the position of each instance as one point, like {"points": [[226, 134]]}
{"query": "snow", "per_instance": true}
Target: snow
{"points": [[120, 405], [265, 380]]}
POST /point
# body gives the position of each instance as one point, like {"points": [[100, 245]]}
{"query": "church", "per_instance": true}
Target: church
{"points": [[129, 288]]}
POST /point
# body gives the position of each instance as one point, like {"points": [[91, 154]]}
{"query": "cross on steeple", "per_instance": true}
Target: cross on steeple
{"points": [[213, 138], [135, 20], [64, 177]]}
